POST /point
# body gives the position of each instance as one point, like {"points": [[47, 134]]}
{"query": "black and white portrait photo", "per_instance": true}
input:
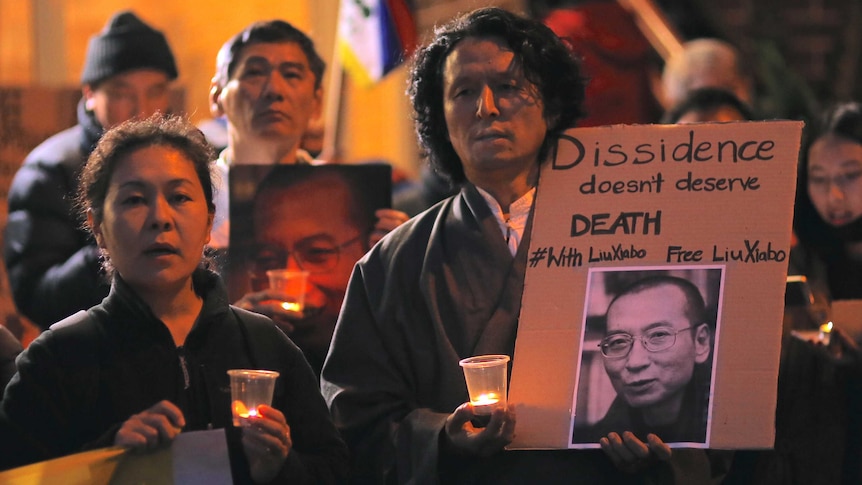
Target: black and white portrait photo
{"points": [[647, 350]]}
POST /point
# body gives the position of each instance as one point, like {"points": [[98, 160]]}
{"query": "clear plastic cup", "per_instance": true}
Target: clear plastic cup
{"points": [[249, 389], [291, 284], [486, 377]]}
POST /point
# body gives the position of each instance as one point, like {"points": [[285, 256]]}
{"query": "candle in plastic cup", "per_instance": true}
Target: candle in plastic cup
{"points": [[248, 390], [291, 284], [486, 377]]}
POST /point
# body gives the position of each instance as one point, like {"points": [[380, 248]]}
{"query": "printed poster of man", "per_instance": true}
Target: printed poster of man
{"points": [[616, 200], [646, 357], [313, 218]]}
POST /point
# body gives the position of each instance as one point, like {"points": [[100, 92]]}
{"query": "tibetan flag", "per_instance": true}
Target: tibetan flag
{"points": [[374, 37]]}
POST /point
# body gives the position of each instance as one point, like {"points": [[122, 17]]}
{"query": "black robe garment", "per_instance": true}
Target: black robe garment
{"points": [[440, 288]]}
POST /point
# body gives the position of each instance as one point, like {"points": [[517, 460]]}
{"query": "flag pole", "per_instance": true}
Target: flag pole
{"points": [[657, 29]]}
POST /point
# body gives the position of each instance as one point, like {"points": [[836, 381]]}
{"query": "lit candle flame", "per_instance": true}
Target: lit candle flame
{"points": [[241, 411], [826, 327], [485, 403], [486, 399], [291, 306]]}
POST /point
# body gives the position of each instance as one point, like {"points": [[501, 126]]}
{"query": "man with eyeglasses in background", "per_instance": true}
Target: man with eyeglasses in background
{"points": [[656, 352]]}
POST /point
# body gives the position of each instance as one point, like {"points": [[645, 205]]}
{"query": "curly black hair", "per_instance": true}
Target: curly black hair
{"points": [[547, 61]]}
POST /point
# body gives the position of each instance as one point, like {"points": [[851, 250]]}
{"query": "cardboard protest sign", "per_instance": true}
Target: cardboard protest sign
{"points": [[655, 285], [277, 210], [193, 458], [93, 467]]}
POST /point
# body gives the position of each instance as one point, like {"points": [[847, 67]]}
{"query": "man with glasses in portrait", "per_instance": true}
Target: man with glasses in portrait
{"points": [[657, 353], [316, 219]]}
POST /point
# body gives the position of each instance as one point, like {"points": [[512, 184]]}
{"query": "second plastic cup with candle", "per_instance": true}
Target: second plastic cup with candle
{"points": [[291, 284], [486, 377], [249, 389]]}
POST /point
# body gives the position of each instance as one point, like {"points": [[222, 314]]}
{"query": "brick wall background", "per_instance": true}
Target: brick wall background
{"points": [[820, 39]]}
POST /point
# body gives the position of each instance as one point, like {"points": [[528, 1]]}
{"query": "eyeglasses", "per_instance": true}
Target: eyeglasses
{"points": [[316, 254], [618, 345], [823, 183]]}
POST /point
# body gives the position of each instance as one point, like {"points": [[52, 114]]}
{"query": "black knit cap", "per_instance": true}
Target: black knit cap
{"points": [[124, 44]]}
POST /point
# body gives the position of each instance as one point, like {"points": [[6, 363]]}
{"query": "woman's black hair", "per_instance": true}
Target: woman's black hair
{"points": [[122, 140], [843, 120]]}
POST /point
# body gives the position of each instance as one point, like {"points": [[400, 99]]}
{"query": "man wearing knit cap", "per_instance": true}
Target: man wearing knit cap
{"points": [[53, 265]]}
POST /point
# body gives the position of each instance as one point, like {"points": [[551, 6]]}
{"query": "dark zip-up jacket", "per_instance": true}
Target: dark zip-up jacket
{"points": [[81, 379], [52, 262]]}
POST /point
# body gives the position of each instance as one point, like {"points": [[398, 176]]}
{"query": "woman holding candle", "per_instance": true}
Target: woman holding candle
{"points": [[828, 224], [151, 360]]}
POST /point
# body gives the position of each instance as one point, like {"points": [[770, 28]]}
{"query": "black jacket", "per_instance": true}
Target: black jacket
{"points": [[10, 347], [81, 379], [53, 264]]}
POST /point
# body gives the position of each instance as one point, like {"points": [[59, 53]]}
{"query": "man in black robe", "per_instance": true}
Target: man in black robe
{"points": [[491, 92]]}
